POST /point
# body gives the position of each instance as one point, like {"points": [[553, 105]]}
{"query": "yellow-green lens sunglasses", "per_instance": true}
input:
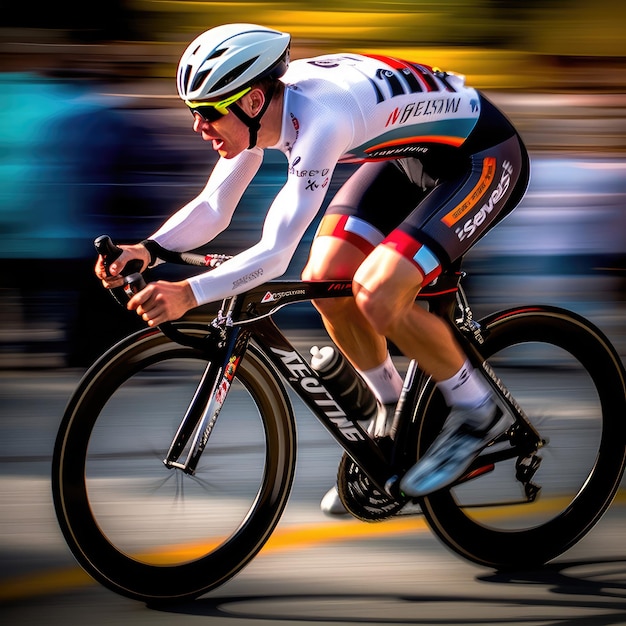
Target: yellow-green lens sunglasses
{"points": [[212, 111]]}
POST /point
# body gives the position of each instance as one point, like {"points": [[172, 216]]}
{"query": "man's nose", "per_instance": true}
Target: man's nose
{"points": [[197, 122]]}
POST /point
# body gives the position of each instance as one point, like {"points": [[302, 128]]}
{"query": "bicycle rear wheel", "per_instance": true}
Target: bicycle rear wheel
{"points": [[570, 382], [152, 533]]}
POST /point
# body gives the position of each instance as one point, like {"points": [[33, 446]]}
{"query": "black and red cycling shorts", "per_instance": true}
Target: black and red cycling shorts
{"points": [[433, 210]]}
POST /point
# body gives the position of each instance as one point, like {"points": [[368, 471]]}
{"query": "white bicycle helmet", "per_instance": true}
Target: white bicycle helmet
{"points": [[228, 58]]}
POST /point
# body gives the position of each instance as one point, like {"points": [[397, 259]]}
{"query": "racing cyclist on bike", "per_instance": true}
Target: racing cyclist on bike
{"points": [[440, 166]]}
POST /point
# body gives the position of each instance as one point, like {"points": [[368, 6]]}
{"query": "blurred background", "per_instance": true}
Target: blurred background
{"points": [[93, 140]]}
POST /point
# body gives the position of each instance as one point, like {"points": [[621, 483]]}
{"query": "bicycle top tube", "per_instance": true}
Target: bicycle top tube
{"points": [[269, 297]]}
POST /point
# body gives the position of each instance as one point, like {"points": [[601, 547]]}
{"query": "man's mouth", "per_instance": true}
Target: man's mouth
{"points": [[217, 144]]}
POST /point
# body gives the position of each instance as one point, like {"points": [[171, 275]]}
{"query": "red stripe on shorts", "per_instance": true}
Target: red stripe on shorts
{"points": [[410, 249], [334, 226]]}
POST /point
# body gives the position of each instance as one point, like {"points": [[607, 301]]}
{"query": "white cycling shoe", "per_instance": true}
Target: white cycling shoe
{"points": [[454, 449], [379, 426], [332, 505]]}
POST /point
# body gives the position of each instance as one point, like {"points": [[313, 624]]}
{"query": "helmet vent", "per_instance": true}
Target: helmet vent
{"points": [[185, 81], [217, 53], [199, 79], [233, 74]]}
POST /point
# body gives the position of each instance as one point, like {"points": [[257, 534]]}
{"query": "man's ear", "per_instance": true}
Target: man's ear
{"points": [[255, 100]]}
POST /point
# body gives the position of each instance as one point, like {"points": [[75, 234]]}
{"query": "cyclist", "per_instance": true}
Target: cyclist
{"points": [[440, 166]]}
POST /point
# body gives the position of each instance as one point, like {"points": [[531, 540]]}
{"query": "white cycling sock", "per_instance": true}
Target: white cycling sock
{"points": [[385, 381], [466, 389]]}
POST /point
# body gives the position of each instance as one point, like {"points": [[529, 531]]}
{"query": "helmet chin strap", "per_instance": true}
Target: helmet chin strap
{"points": [[253, 123]]}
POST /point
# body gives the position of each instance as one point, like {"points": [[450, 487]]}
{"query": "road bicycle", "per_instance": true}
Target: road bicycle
{"points": [[176, 454]]}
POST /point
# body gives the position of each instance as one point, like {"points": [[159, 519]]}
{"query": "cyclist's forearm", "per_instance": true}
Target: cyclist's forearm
{"points": [[244, 271]]}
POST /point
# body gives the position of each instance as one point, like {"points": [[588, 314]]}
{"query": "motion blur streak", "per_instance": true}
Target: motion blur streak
{"points": [[288, 538]]}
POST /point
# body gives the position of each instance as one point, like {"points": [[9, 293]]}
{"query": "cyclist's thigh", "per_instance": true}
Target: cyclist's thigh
{"points": [[458, 212], [372, 202], [332, 258]]}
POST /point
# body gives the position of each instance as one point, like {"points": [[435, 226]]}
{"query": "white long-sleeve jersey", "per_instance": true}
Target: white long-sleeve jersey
{"points": [[337, 108]]}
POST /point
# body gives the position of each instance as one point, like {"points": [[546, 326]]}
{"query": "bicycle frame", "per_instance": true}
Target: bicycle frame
{"points": [[249, 316]]}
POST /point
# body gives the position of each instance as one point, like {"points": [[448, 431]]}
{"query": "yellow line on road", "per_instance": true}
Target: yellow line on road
{"points": [[43, 584], [59, 580], [296, 537], [284, 538]]}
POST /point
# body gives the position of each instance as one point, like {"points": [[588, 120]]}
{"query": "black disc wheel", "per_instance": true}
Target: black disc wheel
{"points": [[158, 534], [570, 382]]}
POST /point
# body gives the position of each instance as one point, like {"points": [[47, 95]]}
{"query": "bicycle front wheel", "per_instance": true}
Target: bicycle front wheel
{"points": [[158, 534], [570, 382]]}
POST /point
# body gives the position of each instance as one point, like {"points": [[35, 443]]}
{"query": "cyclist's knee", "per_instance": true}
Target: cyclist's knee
{"points": [[378, 309], [312, 272]]}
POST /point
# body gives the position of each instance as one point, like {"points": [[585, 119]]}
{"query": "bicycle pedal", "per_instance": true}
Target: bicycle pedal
{"points": [[526, 468]]}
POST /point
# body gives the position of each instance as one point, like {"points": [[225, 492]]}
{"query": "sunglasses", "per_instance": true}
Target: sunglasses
{"points": [[213, 111]]}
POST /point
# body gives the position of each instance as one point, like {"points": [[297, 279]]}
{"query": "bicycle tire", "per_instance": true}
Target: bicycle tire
{"points": [[579, 356], [120, 509]]}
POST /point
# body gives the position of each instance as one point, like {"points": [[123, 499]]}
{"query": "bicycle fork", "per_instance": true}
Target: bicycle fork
{"points": [[196, 426]]}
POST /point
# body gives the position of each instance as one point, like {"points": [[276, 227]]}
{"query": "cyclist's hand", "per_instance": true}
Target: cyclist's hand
{"points": [[113, 278], [163, 301]]}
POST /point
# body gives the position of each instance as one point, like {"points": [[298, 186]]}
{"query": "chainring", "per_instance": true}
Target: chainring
{"points": [[360, 497]]}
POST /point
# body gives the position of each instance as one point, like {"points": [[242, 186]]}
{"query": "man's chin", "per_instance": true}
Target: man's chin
{"points": [[222, 150]]}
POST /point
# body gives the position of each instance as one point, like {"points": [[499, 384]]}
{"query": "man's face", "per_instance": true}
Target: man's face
{"points": [[230, 136]]}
